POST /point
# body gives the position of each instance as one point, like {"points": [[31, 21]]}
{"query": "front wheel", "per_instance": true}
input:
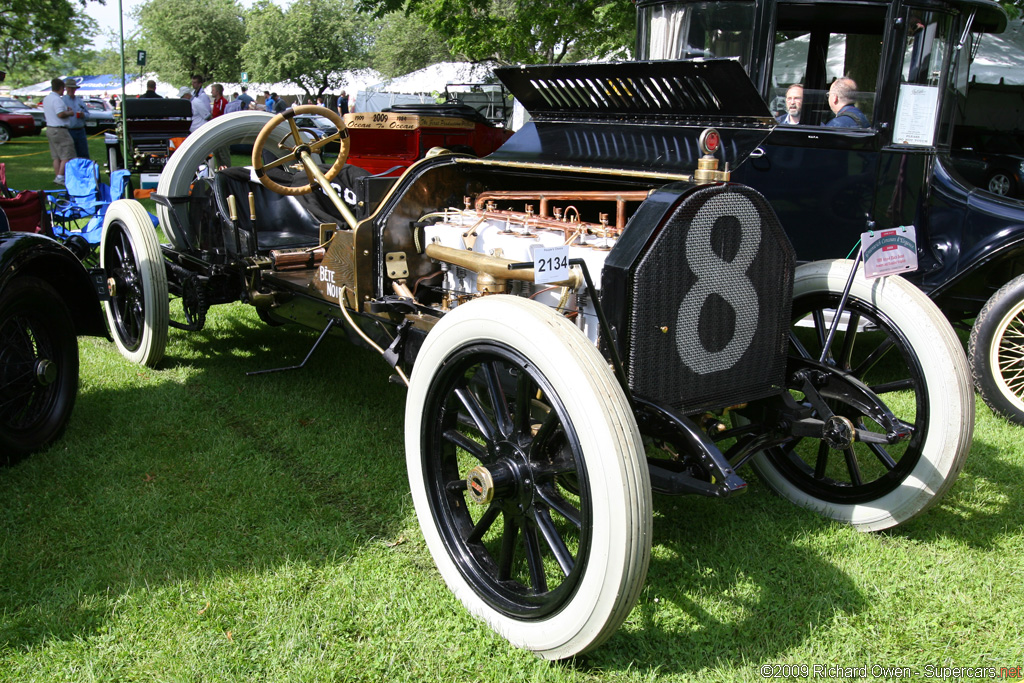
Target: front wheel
{"points": [[1001, 183], [528, 476], [896, 342], [38, 366], [996, 351], [138, 310], [5, 133]]}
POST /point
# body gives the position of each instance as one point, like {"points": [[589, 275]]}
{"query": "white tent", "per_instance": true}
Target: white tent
{"points": [[420, 87]]}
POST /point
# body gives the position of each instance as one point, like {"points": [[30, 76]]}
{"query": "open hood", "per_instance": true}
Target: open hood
{"points": [[643, 116]]}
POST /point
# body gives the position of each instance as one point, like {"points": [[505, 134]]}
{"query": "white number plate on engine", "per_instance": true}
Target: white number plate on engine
{"points": [[550, 264], [887, 252]]}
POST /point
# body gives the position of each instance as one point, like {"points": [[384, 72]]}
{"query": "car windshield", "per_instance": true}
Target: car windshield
{"points": [[697, 29], [314, 122], [95, 106]]}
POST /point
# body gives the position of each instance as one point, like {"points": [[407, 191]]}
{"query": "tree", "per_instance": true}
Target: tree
{"points": [[185, 37], [35, 33], [405, 44], [527, 31], [309, 44]]}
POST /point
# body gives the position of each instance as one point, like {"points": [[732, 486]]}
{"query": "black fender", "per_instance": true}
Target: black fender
{"points": [[26, 254]]}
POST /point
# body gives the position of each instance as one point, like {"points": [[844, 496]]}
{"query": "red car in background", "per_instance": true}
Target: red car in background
{"points": [[471, 120], [14, 125]]}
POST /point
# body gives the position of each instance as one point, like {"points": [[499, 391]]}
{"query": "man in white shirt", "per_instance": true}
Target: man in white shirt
{"points": [[62, 148], [197, 91], [76, 124], [200, 110]]}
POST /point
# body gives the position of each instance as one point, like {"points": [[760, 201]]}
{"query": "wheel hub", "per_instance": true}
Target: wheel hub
{"points": [[46, 372], [838, 432], [505, 478]]}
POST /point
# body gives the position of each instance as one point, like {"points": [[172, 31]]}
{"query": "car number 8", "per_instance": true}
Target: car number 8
{"points": [[726, 279]]}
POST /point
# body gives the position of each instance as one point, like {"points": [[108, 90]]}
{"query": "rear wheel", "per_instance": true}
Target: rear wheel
{"points": [[527, 475], [896, 342], [38, 366], [138, 310], [996, 351], [1002, 183]]}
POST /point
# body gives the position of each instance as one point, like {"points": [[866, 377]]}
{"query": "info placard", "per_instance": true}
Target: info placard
{"points": [[550, 264], [888, 252]]}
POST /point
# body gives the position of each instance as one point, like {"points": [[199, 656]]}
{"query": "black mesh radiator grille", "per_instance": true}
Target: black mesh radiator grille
{"points": [[710, 303]]}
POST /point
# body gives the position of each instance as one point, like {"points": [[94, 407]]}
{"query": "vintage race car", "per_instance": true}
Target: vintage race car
{"points": [[47, 299], [590, 314]]}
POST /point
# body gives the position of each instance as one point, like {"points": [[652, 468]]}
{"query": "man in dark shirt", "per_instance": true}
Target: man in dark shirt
{"points": [[150, 91], [840, 101]]}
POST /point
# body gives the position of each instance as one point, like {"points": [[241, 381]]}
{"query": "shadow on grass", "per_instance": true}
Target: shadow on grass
{"points": [[196, 470], [729, 583]]}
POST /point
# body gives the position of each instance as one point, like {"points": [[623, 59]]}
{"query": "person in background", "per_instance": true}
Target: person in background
{"points": [[197, 91], [200, 110], [234, 105], [268, 101], [279, 103], [76, 123], [150, 91], [840, 101], [221, 155], [245, 97], [794, 105], [62, 148], [343, 103], [113, 100], [218, 101]]}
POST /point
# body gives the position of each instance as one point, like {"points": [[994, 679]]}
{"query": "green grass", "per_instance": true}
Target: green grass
{"points": [[195, 524]]}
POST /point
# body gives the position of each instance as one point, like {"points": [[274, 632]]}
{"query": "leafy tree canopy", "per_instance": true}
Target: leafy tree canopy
{"points": [[185, 37], [309, 44], [527, 31], [405, 44], [38, 37]]}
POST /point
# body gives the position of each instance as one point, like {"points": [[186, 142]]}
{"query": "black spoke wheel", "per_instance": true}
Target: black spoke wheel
{"points": [[138, 310], [894, 340], [38, 366], [526, 471], [492, 471]]}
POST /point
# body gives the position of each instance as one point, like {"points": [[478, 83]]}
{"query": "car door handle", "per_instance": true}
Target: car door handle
{"points": [[757, 153]]}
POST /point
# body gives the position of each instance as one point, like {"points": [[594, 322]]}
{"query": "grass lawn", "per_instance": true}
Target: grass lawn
{"points": [[195, 524]]}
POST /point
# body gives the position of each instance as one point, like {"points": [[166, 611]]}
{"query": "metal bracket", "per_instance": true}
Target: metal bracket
{"points": [[397, 266]]}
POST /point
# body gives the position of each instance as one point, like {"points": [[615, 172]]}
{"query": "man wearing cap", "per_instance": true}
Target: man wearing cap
{"points": [[76, 124], [62, 148]]}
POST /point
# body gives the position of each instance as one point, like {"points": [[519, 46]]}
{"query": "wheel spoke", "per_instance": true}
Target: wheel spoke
{"points": [[821, 463], [897, 385], [556, 502], [882, 455], [476, 412], [554, 541], [498, 403], [846, 353], [525, 391], [287, 159], [873, 357], [821, 329], [542, 439], [507, 554], [323, 142], [534, 561], [853, 467], [484, 525], [798, 345], [477, 450]]}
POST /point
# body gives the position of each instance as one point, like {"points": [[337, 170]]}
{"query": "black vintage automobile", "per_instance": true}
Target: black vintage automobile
{"points": [[590, 314], [828, 184], [47, 299]]}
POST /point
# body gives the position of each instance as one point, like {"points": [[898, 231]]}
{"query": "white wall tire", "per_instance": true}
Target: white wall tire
{"points": [[180, 171], [873, 493], [996, 351], [589, 436], [138, 312]]}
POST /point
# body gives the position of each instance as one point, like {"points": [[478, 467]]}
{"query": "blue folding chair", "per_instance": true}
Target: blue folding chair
{"points": [[77, 211]]}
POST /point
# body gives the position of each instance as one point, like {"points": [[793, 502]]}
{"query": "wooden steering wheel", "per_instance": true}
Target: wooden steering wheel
{"points": [[301, 150]]}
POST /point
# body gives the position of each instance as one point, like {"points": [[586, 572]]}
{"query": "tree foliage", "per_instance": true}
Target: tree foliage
{"points": [[405, 43], [527, 31], [185, 37], [38, 36], [309, 44]]}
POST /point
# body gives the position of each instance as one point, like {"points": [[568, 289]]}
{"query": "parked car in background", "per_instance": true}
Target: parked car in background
{"points": [[99, 115], [991, 160], [15, 124], [16, 106]]}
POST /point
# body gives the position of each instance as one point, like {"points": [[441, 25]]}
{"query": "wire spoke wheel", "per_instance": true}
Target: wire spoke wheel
{"points": [[996, 351]]}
